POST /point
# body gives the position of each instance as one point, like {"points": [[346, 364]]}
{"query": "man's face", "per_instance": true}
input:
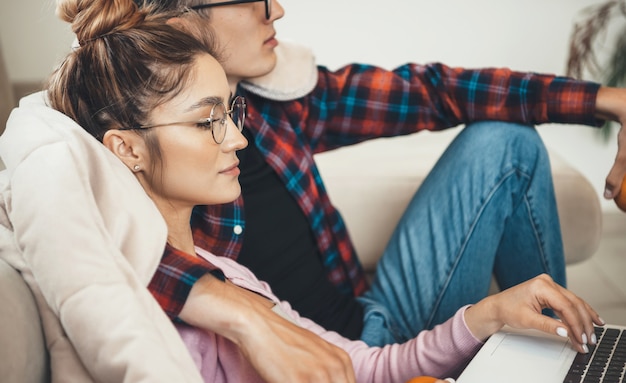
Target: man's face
{"points": [[246, 39]]}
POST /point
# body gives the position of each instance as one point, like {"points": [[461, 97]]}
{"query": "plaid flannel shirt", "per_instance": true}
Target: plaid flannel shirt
{"points": [[353, 104]]}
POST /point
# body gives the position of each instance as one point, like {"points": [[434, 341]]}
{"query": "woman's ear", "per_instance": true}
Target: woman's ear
{"points": [[128, 146]]}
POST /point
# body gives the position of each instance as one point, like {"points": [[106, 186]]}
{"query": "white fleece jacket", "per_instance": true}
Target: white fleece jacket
{"points": [[87, 240]]}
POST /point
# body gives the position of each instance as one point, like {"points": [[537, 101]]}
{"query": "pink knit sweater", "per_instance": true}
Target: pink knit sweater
{"points": [[439, 352]]}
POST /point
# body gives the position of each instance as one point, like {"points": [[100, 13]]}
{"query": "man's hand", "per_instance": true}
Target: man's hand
{"points": [[284, 352], [279, 350], [611, 105]]}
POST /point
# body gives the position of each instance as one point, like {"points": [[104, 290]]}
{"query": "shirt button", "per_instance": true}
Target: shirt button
{"points": [[237, 229]]}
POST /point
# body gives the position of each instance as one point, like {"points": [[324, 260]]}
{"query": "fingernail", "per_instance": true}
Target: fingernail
{"points": [[560, 331], [602, 321], [594, 339], [584, 338], [608, 194], [585, 349]]}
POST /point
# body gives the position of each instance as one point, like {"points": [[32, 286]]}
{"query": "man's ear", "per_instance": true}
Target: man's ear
{"points": [[128, 146]]}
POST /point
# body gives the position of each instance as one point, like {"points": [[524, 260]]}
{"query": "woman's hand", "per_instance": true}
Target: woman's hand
{"points": [[521, 305]]}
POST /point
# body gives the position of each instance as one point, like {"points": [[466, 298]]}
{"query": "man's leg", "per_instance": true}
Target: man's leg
{"points": [[488, 206]]}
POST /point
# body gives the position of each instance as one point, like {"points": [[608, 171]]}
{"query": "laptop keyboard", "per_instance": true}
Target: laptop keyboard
{"points": [[605, 362]]}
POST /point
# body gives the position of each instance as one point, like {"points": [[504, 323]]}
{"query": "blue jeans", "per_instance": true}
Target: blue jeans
{"points": [[486, 208]]}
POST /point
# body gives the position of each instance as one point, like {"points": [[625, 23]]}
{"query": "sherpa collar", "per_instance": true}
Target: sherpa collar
{"points": [[294, 76]]}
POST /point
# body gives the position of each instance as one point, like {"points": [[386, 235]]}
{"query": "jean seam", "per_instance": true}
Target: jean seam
{"points": [[537, 233], [472, 227]]}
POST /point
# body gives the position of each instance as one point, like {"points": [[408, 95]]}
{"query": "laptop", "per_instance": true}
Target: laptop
{"points": [[530, 356]]}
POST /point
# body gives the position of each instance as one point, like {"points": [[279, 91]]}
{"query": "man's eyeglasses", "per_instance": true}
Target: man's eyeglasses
{"points": [[268, 5], [217, 121]]}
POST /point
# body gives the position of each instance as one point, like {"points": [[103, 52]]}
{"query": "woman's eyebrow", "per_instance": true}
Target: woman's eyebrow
{"points": [[207, 101]]}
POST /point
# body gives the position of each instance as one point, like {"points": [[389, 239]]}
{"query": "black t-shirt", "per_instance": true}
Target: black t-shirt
{"points": [[279, 247]]}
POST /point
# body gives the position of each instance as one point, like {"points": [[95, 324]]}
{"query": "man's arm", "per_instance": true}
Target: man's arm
{"points": [[360, 102], [265, 338]]}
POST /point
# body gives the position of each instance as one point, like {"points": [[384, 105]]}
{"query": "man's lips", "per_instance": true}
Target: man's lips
{"points": [[271, 39]]}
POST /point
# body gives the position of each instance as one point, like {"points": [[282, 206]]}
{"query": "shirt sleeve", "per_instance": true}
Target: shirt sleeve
{"points": [[441, 352], [359, 102], [174, 278]]}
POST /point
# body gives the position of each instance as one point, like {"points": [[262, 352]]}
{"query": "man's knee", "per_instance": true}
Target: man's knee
{"points": [[512, 139]]}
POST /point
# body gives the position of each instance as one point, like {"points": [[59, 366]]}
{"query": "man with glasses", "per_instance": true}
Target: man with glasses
{"points": [[470, 218]]}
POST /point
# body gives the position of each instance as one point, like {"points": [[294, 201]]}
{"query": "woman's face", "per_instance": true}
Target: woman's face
{"points": [[195, 169], [246, 39]]}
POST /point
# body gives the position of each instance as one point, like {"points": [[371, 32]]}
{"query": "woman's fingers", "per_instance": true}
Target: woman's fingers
{"points": [[521, 307], [583, 324], [577, 316]]}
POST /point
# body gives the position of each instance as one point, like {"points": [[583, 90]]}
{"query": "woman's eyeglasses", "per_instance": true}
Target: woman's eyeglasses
{"points": [[268, 5], [217, 121]]}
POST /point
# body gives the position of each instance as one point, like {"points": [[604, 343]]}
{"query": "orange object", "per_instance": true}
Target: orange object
{"points": [[620, 199], [422, 379]]}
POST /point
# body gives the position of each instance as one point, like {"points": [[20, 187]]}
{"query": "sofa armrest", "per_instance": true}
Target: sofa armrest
{"points": [[367, 185]]}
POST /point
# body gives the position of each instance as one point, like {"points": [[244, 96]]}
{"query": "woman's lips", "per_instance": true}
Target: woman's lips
{"points": [[232, 170]]}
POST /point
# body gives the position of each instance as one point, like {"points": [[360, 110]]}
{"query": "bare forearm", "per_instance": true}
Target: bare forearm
{"points": [[279, 350], [611, 104], [223, 308]]}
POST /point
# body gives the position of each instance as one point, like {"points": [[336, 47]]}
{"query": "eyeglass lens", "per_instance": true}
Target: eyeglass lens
{"points": [[219, 122], [238, 112], [219, 118]]}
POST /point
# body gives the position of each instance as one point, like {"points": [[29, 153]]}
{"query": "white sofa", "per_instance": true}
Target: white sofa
{"points": [[371, 191]]}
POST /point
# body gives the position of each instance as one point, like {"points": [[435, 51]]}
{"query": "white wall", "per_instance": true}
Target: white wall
{"points": [[33, 38], [529, 35]]}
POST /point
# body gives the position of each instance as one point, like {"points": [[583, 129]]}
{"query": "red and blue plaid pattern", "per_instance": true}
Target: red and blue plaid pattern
{"points": [[353, 104]]}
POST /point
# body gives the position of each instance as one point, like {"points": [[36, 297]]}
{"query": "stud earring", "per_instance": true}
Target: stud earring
{"points": [[136, 168]]}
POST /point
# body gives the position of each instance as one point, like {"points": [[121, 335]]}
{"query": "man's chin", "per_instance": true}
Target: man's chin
{"points": [[267, 67], [251, 75]]}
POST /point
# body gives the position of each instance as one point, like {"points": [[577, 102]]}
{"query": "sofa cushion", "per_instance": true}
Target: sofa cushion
{"points": [[349, 171], [23, 352]]}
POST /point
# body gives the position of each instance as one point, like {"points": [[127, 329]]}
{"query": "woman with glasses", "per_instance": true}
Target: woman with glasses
{"points": [[161, 103]]}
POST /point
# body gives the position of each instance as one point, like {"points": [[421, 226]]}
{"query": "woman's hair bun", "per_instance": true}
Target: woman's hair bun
{"points": [[93, 19]]}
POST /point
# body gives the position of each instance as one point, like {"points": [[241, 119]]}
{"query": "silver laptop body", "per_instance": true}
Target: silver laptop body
{"points": [[529, 356]]}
